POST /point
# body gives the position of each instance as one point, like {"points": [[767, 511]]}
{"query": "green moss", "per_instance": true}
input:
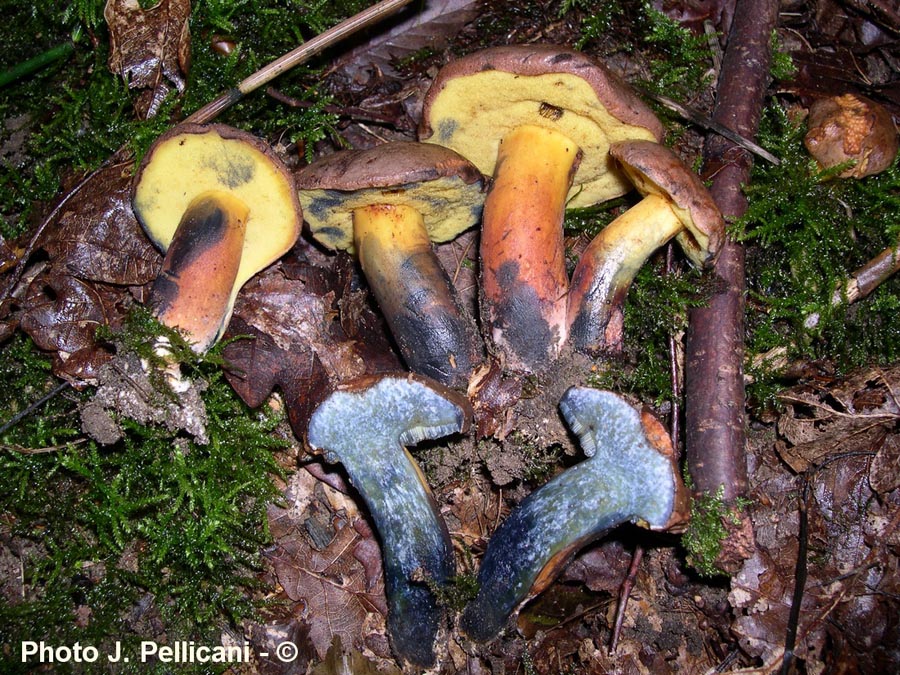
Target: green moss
{"points": [[155, 533], [656, 308], [805, 233], [706, 531]]}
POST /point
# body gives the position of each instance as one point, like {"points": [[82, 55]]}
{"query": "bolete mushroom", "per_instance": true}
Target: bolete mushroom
{"points": [[630, 476], [851, 128], [539, 119], [365, 426], [675, 204], [222, 207], [388, 204]]}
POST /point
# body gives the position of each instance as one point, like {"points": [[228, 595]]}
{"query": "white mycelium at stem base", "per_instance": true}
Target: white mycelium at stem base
{"points": [[625, 479]]}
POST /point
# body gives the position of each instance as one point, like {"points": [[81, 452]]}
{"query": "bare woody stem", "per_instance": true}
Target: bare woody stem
{"points": [[524, 279], [714, 413]]}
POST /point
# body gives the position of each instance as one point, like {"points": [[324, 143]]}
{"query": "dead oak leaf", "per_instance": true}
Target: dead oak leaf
{"points": [[62, 314], [98, 237], [338, 591], [149, 48]]}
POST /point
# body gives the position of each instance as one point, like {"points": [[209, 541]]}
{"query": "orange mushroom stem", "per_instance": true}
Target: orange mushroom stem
{"points": [[524, 281], [193, 289]]}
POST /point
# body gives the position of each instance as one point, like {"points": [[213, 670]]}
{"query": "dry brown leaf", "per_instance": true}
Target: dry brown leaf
{"points": [[327, 561], [62, 314], [149, 48], [333, 587], [98, 237], [846, 417], [427, 25]]}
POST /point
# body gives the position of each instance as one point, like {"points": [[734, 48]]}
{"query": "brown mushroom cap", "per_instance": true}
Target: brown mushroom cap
{"points": [[655, 170], [851, 128], [443, 187], [192, 159], [476, 100]]}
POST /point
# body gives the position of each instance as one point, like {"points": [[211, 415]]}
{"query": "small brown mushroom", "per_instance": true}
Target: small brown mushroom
{"points": [[675, 204], [539, 119], [851, 128], [388, 204], [222, 206]]}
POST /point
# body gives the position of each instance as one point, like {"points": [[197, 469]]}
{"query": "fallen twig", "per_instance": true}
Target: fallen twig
{"points": [[714, 407], [295, 57]]}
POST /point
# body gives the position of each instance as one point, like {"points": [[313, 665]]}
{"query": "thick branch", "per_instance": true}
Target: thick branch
{"points": [[714, 411]]}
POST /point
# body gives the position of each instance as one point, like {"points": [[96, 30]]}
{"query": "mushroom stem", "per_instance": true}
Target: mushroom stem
{"points": [[630, 475], [606, 269], [524, 282], [414, 292], [195, 287], [366, 428]]}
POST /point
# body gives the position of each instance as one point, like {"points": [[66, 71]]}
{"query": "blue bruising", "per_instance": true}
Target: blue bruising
{"points": [[366, 432], [446, 128], [232, 169], [330, 235], [321, 207], [624, 479]]}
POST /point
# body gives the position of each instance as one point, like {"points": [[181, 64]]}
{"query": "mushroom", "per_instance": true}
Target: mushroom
{"points": [[365, 426], [222, 207], [675, 204], [388, 204], [539, 119], [851, 128], [630, 476]]}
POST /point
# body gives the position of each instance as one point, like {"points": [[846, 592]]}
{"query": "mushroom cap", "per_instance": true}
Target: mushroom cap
{"points": [[445, 188], [655, 169], [476, 100], [192, 159], [851, 128]]}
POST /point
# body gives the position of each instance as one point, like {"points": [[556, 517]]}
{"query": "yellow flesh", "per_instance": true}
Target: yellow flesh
{"points": [[164, 193], [466, 117], [389, 228], [626, 243], [523, 220]]}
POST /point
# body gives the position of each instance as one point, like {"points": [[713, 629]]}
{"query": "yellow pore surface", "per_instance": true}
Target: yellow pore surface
{"points": [[187, 165], [472, 114]]}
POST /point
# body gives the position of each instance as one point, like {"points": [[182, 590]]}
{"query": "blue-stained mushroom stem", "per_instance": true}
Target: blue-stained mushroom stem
{"points": [[366, 427], [630, 475], [388, 204], [675, 204]]}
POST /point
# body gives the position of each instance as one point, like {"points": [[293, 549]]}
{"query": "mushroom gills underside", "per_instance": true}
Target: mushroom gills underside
{"points": [[625, 480], [562, 102]]}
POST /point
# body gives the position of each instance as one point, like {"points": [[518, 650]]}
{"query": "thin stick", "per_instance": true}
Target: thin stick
{"points": [[705, 122], [624, 595], [297, 56], [800, 573], [18, 417], [34, 64]]}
